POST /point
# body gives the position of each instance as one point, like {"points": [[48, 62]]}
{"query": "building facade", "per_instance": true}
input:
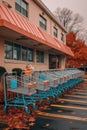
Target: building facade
{"points": [[29, 33]]}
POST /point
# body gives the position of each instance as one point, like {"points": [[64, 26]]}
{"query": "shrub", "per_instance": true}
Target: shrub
{"points": [[2, 70], [18, 70]]}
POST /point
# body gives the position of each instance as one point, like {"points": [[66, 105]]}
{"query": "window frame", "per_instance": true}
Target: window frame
{"points": [[19, 8], [55, 32], [20, 51], [31, 55], [42, 22], [17, 49], [24, 51], [62, 37], [39, 56], [8, 44]]}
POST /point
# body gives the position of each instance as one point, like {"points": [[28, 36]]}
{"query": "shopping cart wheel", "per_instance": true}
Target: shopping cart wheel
{"points": [[35, 106], [5, 109], [27, 110]]}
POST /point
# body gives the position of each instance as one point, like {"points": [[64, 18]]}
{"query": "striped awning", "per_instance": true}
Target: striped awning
{"points": [[12, 20]]}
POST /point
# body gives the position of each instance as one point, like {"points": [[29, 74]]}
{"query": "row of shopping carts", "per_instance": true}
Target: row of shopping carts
{"points": [[26, 89]]}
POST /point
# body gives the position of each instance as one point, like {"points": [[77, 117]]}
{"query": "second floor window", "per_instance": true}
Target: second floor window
{"points": [[55, 32], [22, 7], [62, 37], [43, 22]]}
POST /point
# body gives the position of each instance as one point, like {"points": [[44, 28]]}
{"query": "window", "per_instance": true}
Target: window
{"points": [[62, 37], [55, 32], [42, 22], [40, 56], [14, 51], [8, 50], [30, 54], [17, 52], [22, 7], [24, 53]]}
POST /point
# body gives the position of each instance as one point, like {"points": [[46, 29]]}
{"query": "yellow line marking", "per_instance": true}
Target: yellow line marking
{"points": [[73, 107], [77, 96], [80, 93], [85, 91], [62, 116], [69, 100]]}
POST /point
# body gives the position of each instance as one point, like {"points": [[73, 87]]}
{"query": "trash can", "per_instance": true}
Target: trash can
{"points": [[13, 83]]}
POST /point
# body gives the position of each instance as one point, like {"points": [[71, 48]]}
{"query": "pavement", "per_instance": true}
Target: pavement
{"points": [[68, 113]]}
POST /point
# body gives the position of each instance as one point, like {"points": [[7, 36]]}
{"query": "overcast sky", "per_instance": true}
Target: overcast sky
{"points": [[77, 6]]}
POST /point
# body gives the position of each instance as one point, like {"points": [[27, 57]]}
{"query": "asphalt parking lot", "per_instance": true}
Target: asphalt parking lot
{"points": [[69, 113]]}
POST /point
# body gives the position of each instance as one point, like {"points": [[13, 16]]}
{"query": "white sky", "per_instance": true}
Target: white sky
{"points": [[77, 6]]}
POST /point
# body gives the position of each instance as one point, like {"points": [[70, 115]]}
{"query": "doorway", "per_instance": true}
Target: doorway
{"points": [[53, 61]]}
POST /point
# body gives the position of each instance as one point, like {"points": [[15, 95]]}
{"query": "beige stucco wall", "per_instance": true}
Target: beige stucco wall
{"points": [[33, 16], [10, 64], [34, 12]]}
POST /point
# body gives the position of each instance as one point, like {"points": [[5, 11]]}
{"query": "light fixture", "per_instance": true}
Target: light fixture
{"points": [[6, 4], [22, 38]]}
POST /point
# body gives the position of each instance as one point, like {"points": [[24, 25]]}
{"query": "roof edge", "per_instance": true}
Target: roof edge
{"points": [[44, 7]]}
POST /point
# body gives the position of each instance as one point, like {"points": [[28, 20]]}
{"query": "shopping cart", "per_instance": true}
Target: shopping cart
{"points": [[15, 92]]}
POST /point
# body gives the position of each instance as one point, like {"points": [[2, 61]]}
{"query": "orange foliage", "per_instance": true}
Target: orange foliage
{"points": [[79, 49]]}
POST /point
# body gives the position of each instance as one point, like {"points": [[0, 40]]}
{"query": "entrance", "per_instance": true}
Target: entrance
{"points": [[53, 61]]}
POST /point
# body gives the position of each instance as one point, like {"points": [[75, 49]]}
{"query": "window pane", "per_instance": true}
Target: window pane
{"points": [[22, 7], [30, 54], [40, 56], [42, 22], [18, 7], [8, 50], [17, 52], [62, 37], [37, 56], [24, 12], [55, 32], [18, 1], [24, 53]]}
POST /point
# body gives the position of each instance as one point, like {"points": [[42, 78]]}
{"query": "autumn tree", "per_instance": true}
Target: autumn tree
{"points": [[76, 36], [79, 49]]}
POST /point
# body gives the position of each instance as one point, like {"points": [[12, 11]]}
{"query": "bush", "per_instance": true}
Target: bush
{"points": [[18, 70], [2, 70]]}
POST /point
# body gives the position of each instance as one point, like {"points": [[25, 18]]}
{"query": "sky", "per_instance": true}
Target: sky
{"points": [[77, 6]]}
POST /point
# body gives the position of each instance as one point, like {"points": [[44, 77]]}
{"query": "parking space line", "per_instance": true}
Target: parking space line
{"points": [[80, 93], [76, 96], [70, 107], [70, 100], [62, 116]]}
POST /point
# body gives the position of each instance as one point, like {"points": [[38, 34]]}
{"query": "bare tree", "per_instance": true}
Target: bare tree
{"points": [[68, 18], [72, 22], [64, 16], [76, 22]]}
